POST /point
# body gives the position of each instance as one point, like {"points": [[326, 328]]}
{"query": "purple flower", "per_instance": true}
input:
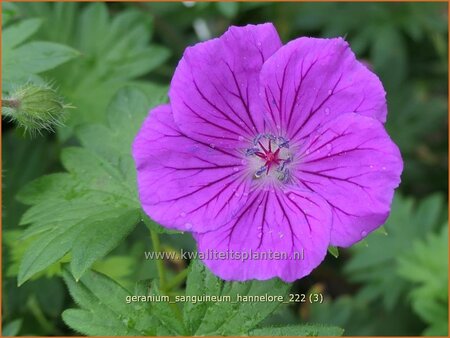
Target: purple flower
{"points": [[266, 148]]}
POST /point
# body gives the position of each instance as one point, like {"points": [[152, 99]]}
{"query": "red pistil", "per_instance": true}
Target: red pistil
{"points": [[269, 156]]}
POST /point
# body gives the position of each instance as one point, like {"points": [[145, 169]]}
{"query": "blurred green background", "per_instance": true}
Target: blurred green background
{"points": [[393, 283]]}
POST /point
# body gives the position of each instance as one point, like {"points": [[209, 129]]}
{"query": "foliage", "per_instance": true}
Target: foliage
{"points": [[12, 328], [375, 262], [102, 314], [94, 205], [426, 267], [31, 102], [70, 207], [22, 61], [398, 250], [115, 51]]}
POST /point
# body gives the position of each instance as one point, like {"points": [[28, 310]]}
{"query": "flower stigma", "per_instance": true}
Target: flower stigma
{"points": [[270, 157]]}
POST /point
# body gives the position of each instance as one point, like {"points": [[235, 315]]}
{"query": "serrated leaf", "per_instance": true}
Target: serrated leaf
{"points": [[167, 313], [16, 255], [33, 58], [126, 112], [359, 317], [199, 282], [426, 266], [19, 32], [46, 250], [94, 21], [47, 187], [87, 323], [140, 62], [229, 317], [89, 209], [161, 314], [105, 311], [307, 330], [115, 50], [375, 265], [93, 237], [149, 322]]}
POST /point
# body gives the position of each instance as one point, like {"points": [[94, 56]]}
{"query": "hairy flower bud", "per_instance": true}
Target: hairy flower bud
{"points": [[35, 107]]}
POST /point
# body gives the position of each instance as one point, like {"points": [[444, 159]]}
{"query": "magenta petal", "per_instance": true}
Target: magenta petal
{"points": [[353, 164], [183, 183], [309, 81], [215, 89], [271, 221]]}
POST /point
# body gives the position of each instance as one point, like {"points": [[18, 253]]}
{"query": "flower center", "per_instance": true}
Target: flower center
{"points": [[270, 156]]}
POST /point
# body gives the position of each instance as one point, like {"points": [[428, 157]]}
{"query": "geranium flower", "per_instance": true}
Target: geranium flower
{"points": [[269, 148]]}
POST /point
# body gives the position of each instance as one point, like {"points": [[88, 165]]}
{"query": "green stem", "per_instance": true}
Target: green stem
{"points": [[40, 318], [159, 262], [162, 273], [177, 280]]}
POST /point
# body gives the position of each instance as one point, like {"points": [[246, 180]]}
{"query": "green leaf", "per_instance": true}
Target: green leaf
{"points": [[426, 266], [107, 309], [22, 62], [199, 282], [18, 33], [119, 268], [115, 49], [362, 318], [228, 9], [89, 209], [16, 255], [167, 313], [21, 166], [389, 55], [307, 330], [229, 317], [375, 264], [150, 321], [92, 245], [46, 250], [162, 314], [126, 112], [33, 58], [104, 310], [12, 328]]}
